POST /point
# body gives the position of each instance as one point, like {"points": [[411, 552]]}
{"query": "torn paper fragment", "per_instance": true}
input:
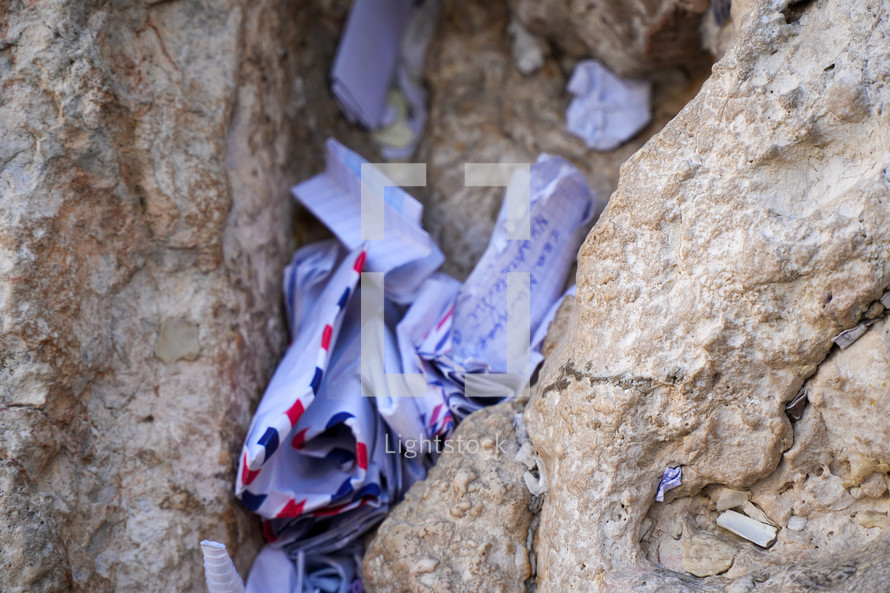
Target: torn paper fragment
{"points": [[606, 110], [847, 337], [796, 523], [528, 51], [406, 254], [794, 409], [398, 135], [537, 485], [754, 531], [218, 569], [753, 511], [672, 478], [272, 571], [366, 58], [885, 300], [407, 103], [728, 498]]}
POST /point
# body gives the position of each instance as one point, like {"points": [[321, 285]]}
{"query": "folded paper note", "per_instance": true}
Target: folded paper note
{"points": [[673, 477], [794, 409], [388, 355], [366, 58], [846, 338], [378, 71]]}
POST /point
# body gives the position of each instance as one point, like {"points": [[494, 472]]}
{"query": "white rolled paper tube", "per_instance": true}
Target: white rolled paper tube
{"points": [[754, 531], [218, 569]]}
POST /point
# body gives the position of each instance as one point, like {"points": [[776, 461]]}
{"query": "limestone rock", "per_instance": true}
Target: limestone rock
{"points": [[147, 153], [466, 527], [557, 328], [632, 37], [178, 339], [851, 391], [484, 110], [870, 519], [740, 240], [706, 555]]}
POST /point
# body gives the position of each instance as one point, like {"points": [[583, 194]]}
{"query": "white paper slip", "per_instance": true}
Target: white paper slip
{"points": [[607, 110], [406, 253], [760, 533], [219, 571], [366, 58]]}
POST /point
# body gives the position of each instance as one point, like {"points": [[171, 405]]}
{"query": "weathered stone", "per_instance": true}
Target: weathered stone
{"points": [[631, 37], [178, 339], [875, 485], [741, 239], [466, 527], [851, 391], [147, 151], [483, 110], [706, 555], [870, 519]]}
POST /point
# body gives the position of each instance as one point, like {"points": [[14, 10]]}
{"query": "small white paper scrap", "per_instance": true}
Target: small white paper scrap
{"points": [[606, 110], [754, 531], [848, 336]]}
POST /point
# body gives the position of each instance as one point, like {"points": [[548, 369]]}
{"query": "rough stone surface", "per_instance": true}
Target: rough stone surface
{"points": [[484, 110], [466, 527], [741, 239], [178, 340], [707, 555], [147, 151], [632, 37], [851, 392]]}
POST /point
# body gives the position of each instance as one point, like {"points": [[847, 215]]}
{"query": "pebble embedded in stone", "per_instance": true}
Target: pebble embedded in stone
{"points": [[178, 340], [707, 555]]}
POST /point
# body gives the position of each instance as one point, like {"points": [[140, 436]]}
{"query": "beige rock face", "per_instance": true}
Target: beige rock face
{"points": [[741, 239], [851, 392], [822, 522], [631, 37], [467, 526], [483, 110], [147, 151], [706, 555]]}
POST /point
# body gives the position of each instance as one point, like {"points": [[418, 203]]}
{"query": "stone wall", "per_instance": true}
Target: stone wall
{"points": [[741, 239], [147, 151]]}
